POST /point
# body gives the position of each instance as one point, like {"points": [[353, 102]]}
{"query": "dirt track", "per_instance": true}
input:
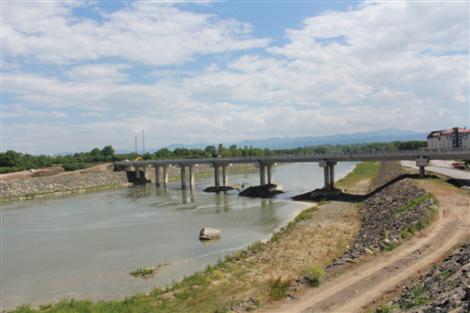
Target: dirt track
{"points": [[370, 281]]}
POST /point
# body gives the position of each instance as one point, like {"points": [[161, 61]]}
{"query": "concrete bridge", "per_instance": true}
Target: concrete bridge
{"points": [[137, 171]]}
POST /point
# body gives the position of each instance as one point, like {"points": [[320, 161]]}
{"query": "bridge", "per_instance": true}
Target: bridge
{"points": [[137, 171]]}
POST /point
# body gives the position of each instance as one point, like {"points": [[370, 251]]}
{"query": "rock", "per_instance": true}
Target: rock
{"points": [[209, 233], [368, 251], [265, 191]]}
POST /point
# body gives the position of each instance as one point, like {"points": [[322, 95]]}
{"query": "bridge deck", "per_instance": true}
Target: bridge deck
{"points": [[335, 157]]}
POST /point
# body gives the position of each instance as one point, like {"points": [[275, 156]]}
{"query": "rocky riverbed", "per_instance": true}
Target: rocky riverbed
{"points": [[388, 216], [444, 288]]}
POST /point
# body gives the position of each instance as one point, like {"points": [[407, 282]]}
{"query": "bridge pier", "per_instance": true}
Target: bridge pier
{"points": [[216, 176], [269, 172], [165, 176], [421, 164], [328, 173], [191, 177], [224, 175], [183, 176], [218, 186], [157, 176], [262, 174]]}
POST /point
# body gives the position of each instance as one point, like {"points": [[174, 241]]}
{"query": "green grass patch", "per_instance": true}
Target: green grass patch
{"points": [[413, 203], [143, 272], [416, 297], [314, 275], [364, 170]]}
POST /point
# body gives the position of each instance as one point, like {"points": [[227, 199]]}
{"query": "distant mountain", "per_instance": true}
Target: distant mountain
{"points": [[384, 135]]}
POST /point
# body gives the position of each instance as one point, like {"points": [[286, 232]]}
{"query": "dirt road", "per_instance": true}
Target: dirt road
{"points": [[351, 291]]}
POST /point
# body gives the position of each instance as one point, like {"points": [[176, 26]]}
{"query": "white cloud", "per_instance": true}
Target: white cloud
{"points": [[380, 65], [142, 32]]}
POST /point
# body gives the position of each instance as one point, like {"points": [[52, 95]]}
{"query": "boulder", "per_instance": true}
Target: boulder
{"points": [[209, 233]]}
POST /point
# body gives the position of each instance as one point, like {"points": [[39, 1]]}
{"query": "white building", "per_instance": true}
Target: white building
{"points": [[454, 138]]}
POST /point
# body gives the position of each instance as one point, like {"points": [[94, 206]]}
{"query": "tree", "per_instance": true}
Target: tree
{"points": [[108, 151]]}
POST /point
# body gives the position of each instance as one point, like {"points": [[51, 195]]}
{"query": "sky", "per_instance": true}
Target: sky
{"points": [[83, 74]]}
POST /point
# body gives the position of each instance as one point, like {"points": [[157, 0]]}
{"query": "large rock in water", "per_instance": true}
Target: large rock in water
{"points": [[209, 233], [265, 191]]}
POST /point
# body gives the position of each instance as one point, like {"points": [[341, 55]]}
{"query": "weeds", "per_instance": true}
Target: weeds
{"points": [[314, 275], [142, 272]]}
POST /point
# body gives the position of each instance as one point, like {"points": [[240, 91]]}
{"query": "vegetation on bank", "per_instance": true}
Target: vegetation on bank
{"points": [[365, 171], [12, 161]]}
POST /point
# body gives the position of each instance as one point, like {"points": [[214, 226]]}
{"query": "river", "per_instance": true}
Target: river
{"points": [[84, 246]]}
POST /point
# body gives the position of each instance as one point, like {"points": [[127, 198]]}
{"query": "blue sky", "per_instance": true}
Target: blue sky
{"points": [[77, 75]]}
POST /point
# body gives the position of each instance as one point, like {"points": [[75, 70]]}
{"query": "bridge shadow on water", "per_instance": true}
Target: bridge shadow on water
{"points": [[348, 197]]}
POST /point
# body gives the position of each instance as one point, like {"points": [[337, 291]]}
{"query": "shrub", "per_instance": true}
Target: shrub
{"points": [[314, 275]]}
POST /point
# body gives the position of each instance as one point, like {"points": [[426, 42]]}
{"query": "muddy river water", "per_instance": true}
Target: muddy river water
{"points": [[84, 246]]}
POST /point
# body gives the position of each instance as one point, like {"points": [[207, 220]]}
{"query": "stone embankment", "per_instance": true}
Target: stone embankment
{"points": [[444, 288], [65, 183], [388, 216]]}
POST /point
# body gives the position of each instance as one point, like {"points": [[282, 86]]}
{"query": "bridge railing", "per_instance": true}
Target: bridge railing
{"points": [[425, 153]]}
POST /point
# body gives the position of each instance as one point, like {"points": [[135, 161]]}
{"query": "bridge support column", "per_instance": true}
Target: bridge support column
{"points": [[262, 174], [191, 177], [326, 173], [183, 177], [224, 175], [216, 176], [157, 176], [269, 171], [165, 175], [421, 163], [331, 166]]}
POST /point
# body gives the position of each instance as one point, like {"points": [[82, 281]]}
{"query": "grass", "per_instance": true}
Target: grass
{"points": [[425, 220], [142, 272], [413, 203], [416, 297], [314, 275], [362, 171]]}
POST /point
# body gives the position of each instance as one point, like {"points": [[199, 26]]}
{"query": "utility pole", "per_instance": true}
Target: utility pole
{"points": [[143, 142], [135, 144]]}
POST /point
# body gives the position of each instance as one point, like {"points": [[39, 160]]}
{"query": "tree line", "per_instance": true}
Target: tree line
{"points": [[11, 161]]}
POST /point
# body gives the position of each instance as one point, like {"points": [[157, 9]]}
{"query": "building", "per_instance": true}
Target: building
{"points": [[454, 138]]}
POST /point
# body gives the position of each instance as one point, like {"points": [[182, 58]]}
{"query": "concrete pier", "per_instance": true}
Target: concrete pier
{"points": [[165, 176], [262, 174], [421, 163], [326, 173], [183, 177], [191, 177], [224, 175], [331, 166], [157, 176], [269, 172], [216, 176]]}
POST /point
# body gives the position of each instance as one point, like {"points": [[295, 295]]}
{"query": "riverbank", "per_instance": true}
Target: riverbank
{"points": [[97, 178]]}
